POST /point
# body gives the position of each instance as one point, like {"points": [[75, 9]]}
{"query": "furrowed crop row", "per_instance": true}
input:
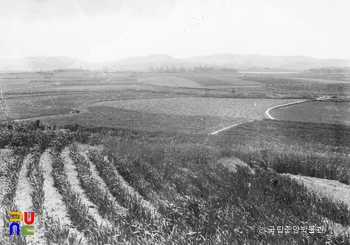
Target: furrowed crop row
{"points": [[13, 240], [106, 206], [57, 228], [129, 231], [36, 179], [58, 233], [108, 173], [78, 211], [13, 168], [144, 224], [12, 172], [48, 226]]}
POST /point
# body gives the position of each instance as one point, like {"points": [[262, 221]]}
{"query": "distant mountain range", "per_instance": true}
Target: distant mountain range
{"points": [[162, 60]]}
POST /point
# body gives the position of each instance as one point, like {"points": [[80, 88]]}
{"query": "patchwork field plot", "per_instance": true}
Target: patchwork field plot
{"points": [[169, 81], [316, 111], [234, 108], [205, 80], [52, 103], [220, 80], [105, 116]]}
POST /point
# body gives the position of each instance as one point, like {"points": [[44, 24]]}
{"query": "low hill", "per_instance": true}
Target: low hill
{"points": [[161, 60], [281, 62]]}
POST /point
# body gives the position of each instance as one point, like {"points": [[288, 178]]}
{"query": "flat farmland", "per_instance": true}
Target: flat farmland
{"points": [[205, 80], [105, 116], [192, 80], [304, 85], [218, 107], [315, 136], [317, 111], [168, 81], [208, 79], [7, 85], [56, 102]]}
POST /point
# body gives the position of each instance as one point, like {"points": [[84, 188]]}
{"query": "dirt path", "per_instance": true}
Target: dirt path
{"points": [[223, 129], [267, 112]]}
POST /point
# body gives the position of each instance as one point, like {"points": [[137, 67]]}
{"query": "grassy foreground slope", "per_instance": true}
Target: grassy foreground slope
{"points": [[310, 149], [125, 187]]}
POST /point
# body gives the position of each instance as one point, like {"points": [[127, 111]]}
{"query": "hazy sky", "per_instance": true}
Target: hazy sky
{"points": [[106, 30]]}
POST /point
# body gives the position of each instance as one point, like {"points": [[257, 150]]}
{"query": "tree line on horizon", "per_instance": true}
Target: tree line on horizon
{"points": [[195, 69], [329, 70]]}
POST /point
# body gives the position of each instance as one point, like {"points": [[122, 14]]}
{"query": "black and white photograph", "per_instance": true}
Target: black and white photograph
{"points": [[174, 122]]}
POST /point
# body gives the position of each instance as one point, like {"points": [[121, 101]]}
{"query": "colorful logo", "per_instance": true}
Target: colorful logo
{"points": [[28, 229]]}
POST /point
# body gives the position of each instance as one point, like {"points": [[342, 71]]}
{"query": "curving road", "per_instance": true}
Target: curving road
{"points": [[267, 112]]}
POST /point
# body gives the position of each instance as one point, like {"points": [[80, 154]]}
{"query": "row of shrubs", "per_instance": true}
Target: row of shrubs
{"points": [[25, 135]]}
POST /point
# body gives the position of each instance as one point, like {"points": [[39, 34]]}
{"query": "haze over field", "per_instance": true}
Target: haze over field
{"points": [[107, 30], [162, 60]]}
